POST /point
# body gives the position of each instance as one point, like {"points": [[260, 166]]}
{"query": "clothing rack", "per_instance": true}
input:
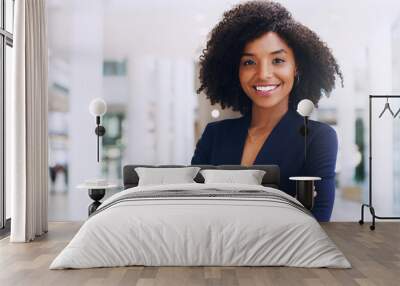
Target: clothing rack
{"points": [[369, 205]]}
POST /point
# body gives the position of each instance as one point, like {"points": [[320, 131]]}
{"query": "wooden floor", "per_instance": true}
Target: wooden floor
{"points": [[374, 255]]}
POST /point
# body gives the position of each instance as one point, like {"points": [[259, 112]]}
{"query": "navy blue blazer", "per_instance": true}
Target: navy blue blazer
{"points": [[222, 143]]}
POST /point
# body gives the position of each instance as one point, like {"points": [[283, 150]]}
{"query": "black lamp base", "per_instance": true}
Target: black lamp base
{"points": [[305, 193], [96, 195]]}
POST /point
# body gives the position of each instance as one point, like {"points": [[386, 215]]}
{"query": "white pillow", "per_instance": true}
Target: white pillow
{"points": [[249, 177], [163, 176]]}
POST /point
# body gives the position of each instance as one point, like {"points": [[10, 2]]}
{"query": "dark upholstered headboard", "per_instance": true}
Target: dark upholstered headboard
{"points": [[270, 179]]}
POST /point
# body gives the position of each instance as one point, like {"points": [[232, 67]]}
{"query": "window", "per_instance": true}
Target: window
{"points": [[6, 43]]}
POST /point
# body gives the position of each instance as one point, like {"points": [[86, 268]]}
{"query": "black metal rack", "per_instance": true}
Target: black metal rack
{"points": [[369, 205]]}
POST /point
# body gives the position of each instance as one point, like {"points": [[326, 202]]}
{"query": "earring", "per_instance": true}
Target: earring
{"points": [[297, 78]]}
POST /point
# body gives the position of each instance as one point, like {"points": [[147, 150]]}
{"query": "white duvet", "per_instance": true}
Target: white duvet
{"points": [[200, 231]]}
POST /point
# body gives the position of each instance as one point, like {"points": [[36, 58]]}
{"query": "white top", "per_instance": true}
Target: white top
{"points": [[95, 187], [305, 178]]}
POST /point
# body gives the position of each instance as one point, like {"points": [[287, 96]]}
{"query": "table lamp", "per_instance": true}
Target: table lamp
{"points": [[305, 108], [98, 108], [305, 184]]}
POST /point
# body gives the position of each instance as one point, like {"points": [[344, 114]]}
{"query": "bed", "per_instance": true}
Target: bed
{"points": [[201, 224]]}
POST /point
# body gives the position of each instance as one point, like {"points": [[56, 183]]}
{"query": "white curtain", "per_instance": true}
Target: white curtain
{"points": [[28, 123]]}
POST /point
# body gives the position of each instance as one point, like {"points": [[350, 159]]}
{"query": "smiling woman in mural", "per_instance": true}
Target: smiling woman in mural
{"points": [[261, 62]]}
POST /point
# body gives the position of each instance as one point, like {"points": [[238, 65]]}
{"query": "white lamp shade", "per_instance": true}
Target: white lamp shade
{"points": [[305, 107], [97, 107]]}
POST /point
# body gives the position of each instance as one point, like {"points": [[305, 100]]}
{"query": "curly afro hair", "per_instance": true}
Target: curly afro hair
{"points": [[219, 62]]}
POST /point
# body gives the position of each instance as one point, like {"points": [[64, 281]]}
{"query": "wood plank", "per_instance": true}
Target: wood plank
{"points": [[374, 255]]}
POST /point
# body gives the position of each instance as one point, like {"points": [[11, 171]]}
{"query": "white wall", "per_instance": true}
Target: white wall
{"points": [[380, 82], [151, 32], [160, 111], [86, 62]]}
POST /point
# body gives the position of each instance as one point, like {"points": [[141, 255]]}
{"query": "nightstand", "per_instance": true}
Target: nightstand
{"points": [[96, 193]]}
